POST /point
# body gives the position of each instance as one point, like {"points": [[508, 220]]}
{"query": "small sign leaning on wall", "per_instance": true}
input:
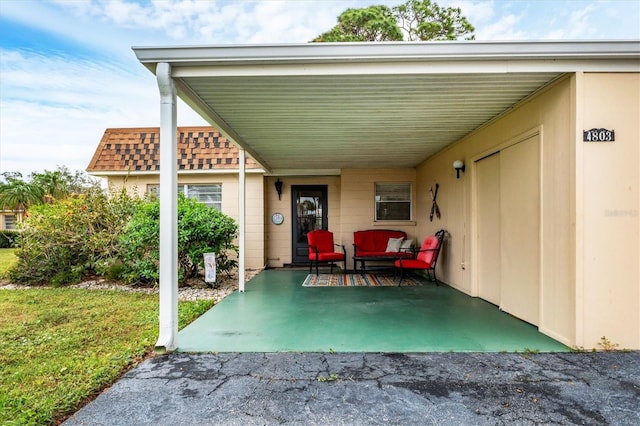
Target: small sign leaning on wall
{"points": [[598, 135], [209, 267]]}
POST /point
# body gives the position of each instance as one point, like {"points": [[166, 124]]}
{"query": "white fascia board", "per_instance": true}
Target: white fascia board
{"points": [[393, 58], [305, 172], [219, 172], [412, 68], [386, 51]]}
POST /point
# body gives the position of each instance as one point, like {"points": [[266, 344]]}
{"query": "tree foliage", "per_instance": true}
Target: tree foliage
{"points": [[8, 238], [64, 241], [18, 194], [374, 23], [73, 229], [117, 236], [415, 20], [61, 183]]}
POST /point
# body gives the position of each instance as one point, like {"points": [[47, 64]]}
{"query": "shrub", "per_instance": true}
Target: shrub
{"points": [[8, 239], [67, 240], [200, 230]]}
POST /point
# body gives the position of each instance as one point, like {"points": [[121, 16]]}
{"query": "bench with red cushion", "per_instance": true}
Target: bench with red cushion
{"points": [[371, 245]]}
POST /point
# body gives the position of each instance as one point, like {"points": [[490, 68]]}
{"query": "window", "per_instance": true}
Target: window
{"points": [[210, 195], [9, 222], [393, 201], [154, 190]]}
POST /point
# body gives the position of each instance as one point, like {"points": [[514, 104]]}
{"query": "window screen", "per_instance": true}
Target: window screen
{"points": [[393, 201], [210, 195], [10, 222]]}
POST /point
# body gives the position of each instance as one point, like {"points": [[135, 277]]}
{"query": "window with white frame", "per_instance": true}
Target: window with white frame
{"points": [[393, 201], [208, 194], [153, 189], [9, 222]]}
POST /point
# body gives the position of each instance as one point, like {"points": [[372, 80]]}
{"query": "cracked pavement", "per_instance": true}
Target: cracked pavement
{"points": [[373, 388]]}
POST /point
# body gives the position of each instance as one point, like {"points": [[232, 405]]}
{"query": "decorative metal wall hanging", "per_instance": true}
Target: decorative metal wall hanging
{"points": [[435, 210]]}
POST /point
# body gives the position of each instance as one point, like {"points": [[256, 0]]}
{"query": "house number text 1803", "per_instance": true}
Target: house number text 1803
{"points": [[599, 135]]}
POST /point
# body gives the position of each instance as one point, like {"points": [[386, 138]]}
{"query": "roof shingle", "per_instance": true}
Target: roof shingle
{"points": [[138, 150]]}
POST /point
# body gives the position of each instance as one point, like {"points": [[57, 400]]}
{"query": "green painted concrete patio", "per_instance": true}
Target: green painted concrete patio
{"points": [[277, 314]]}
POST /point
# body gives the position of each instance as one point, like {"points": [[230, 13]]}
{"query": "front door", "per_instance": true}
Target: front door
{"points": [[309, 212]]}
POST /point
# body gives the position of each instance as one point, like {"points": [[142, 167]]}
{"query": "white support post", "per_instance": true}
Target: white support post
{"points": [[168, 333], [243, 218]]}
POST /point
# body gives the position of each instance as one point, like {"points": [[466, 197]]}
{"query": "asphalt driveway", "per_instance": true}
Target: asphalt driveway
{"points": [[373, 388]]}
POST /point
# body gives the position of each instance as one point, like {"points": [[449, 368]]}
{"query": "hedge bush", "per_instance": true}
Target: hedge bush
{"points": [[8, 238], [92, 234], [200, 230], [65, 241]]}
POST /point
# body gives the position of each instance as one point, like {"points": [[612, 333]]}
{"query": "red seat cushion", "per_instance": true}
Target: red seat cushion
{"points": [[425, 257], [412, 264], [327, 257]]}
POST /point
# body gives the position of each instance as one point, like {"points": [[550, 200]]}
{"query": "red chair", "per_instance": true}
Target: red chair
{"points": [[321, 250], [426, 258]]}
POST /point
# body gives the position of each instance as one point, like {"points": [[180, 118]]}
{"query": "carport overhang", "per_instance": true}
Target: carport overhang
{"points": [[318, 108]]}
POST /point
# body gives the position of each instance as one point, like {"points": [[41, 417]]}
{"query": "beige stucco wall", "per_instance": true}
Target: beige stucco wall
{"points": [[357, 205], [608, 182], [134, 184], [278, 237], [254, 208], [254, 231], [548, 115]]}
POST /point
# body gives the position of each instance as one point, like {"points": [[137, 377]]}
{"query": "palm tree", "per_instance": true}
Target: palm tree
{"points": [[53, 184], [18, 195]]}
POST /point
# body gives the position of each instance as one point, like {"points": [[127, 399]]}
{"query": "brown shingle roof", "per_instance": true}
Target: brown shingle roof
{"points": [[138, 150]]}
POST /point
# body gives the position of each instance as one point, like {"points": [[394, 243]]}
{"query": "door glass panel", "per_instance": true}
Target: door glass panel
{"points": [[309, 208]]}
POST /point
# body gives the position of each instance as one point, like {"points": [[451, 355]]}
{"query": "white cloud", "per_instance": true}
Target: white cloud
{"points": [[477, 13], [506, 28], [577, 25]]}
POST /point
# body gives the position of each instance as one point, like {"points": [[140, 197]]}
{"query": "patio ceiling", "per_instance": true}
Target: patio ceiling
{"points": [[318, 108]]}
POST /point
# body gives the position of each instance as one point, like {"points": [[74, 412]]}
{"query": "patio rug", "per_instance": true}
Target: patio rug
{"points": [[355, 280]]}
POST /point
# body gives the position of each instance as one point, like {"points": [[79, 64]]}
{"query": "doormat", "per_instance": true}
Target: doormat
{"points": [[356, 280]]}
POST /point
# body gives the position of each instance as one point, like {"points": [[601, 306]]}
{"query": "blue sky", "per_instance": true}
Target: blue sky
{"points": [[67, 71]]}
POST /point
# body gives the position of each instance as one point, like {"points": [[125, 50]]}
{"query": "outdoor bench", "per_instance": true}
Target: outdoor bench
{"points": [[379, 245]]}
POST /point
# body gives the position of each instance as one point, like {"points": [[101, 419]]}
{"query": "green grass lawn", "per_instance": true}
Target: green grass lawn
{"points": [[60, 347], [7, 258]]}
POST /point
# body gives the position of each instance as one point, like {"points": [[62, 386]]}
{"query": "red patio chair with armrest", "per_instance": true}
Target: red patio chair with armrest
{"points": [[322, 250], [425, 259]]}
